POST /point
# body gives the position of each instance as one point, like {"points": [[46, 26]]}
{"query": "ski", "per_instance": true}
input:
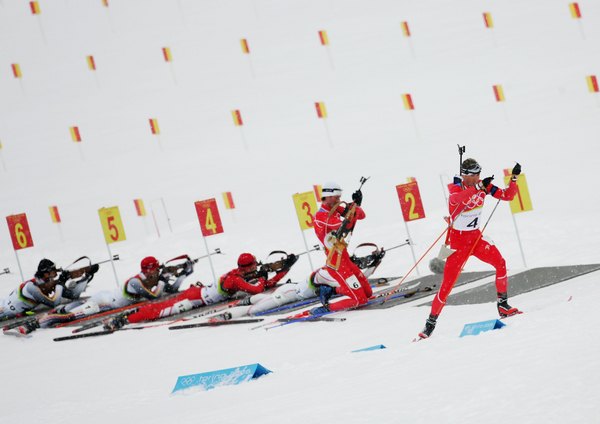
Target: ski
{"points": [[216, 323], [81, 336]]}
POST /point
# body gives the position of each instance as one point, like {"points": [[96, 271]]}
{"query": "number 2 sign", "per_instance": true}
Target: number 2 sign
{"points": [[208, 216], [110, 218], [410, 201], [19, 231]]}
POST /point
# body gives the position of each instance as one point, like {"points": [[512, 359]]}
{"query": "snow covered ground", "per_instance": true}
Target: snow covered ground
{"points": [[540, 368]]}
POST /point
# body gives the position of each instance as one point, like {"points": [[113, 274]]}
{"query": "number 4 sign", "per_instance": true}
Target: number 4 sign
{"points": [[209, 218], [210, 224]]}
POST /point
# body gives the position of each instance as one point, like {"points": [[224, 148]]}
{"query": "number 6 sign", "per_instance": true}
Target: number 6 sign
{"points": [[208, 216], [19, 231], [112, 226], [410, 201]]}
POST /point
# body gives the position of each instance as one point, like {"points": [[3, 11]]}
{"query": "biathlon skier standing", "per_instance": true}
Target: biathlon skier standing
{"points": [[465, 204], [340, 274]]}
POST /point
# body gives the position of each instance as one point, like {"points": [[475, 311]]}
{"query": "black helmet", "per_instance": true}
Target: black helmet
{"points": [[470, 167], [45, 265]]}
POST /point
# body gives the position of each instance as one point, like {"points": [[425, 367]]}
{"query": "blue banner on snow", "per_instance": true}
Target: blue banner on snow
{"points": [[210, 380], [364, 349], [475, 328]]}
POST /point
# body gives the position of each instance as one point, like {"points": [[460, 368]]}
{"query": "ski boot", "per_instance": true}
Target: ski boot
{"points": [[504, 309], [28, 327], [115, 323], [429, 327]]}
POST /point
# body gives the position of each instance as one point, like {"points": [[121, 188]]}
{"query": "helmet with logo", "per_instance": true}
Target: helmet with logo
{"points": [[470, 167], [330, 189], [246, 259], [149, 264], [45, 265]]}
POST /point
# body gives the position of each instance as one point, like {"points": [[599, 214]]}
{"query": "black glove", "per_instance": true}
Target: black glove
{"points": [[485, 183], [290, 260], [357, 197], [517, 169], [94, 269], [64, 277], [188, 268]]}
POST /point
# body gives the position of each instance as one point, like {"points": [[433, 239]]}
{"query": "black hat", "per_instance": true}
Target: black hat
{"points": [[45, 265], [470, 167]]}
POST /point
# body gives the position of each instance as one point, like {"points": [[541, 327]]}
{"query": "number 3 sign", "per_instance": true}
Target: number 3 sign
{"points": [[19, 231], [208, 216], [110, 218], [410, 201]]}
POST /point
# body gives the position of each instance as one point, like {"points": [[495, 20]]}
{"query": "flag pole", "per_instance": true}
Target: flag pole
{"points": [[412, 249]]}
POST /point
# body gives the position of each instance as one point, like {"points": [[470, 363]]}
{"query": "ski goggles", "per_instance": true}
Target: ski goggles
{"points": [[473, 170]]}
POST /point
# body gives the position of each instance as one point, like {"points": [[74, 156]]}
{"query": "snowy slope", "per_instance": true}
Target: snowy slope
{"points": [[550, 123]]}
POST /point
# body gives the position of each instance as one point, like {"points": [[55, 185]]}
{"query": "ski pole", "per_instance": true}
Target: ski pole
{"points": [[5, 271], [315, 247], [216, 252], [400, 245], [416, 263]]}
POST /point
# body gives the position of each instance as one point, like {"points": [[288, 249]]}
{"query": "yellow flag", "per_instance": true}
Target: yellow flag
{"points": [[522, 201], [112, 225], [306, 209]]}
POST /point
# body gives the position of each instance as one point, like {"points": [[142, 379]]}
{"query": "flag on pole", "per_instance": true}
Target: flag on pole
{"points": [[237, 118], [167, 54], [35, 8], [324, 38], [75, 135], [575, 11], [54, 215], [321, 110], [499, 93], [16, 68], [245, 47], [487, 19], [228, 200], [408, 103], [405, 29], [140, 209], [91, 63], [592, 83], [154, 126], [318, 189]]}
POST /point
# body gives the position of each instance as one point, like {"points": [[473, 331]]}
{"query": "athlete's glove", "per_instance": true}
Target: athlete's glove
{"points": [[64, 277], [188, 268], [289, 261], [485, 183], [357, 197]]}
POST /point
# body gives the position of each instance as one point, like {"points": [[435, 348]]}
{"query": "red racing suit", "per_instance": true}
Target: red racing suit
{"points": [[199, 295], [465, 205], [351, 281]]}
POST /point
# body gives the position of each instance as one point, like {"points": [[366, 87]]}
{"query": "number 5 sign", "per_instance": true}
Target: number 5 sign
{"points": [[112, 226], [209, 218], [19, 231], [410, 201]]}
